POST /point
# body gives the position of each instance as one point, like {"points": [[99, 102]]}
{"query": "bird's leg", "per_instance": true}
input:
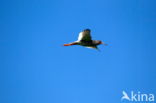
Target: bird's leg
{"points": [[98, 49], [104, 44], [74, 43]]}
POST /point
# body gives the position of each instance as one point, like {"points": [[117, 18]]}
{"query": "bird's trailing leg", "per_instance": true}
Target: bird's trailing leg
{"points": [[104, 44], [74, 43]]}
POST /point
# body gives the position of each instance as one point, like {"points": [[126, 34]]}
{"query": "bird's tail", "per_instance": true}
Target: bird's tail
{"points": [[70, 44]]}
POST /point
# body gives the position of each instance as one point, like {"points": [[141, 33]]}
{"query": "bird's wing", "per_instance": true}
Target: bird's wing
{"points": [[85, 35]]}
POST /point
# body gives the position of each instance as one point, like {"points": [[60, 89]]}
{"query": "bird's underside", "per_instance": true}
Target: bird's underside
{"points": [[87, 44], [85, 40]]}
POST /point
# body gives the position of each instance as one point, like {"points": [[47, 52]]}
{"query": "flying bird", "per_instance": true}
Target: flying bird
{"points": [[85, 39]]}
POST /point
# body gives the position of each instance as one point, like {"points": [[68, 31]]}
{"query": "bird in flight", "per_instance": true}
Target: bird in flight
{"points": [[85, 39]]}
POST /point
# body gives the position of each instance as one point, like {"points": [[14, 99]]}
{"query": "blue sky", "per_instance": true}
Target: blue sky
{"points": [[36, 68]]}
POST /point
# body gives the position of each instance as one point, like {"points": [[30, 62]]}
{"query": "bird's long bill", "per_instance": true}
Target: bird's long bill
{"points": [[66, 44], [70, 44]]}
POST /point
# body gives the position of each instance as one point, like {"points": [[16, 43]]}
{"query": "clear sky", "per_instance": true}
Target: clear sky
{"points": [[36, 68]]}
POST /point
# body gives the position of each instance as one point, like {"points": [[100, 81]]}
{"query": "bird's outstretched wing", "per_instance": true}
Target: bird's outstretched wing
{"points": [[85, 35]]}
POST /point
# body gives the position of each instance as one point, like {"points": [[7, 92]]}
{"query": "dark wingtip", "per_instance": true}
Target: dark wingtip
{"points": [[87, 30]]}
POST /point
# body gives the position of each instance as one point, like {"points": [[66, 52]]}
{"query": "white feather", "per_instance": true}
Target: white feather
{"points": [[80, 36]]}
